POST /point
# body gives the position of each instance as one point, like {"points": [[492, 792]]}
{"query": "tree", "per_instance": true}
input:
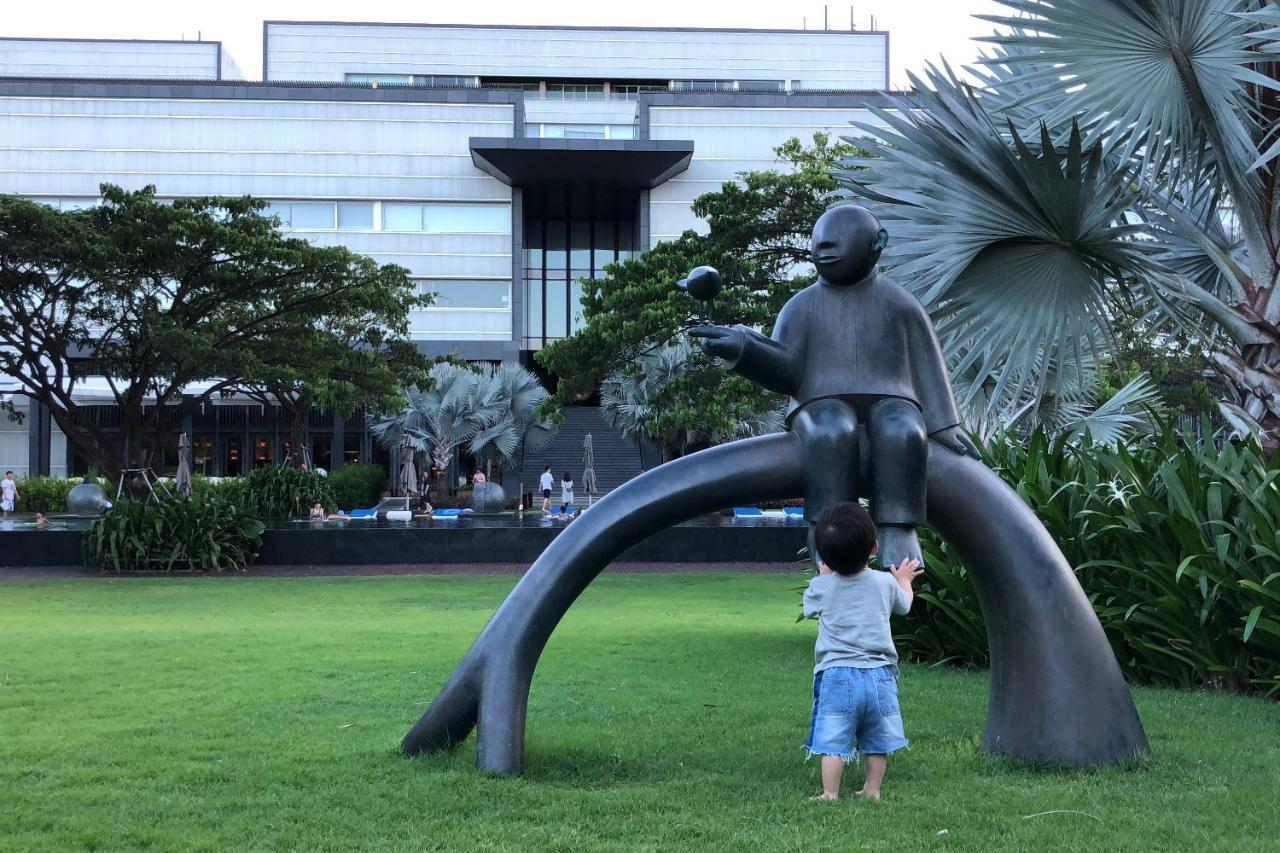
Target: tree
{"points": [[171, 304], [491, 411], [637, 401], [758, 238], [1118, 155]]}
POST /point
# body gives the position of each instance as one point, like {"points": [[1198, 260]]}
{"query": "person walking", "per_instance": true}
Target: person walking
{"points": [[546, 482]]}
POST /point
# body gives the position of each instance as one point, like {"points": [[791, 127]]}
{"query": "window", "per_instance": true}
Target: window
{"points": [[631, 91], [705, 85], [401, 217], [584, 131], [312, 215], [466, 218], [355, 216], [381, 79], [468, 294], [575, 91], [761, 85], [580, 131], [443, 80]]}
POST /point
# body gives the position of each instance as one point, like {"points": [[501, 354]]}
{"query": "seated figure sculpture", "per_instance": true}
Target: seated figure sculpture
{"points": [[871, 411], [855, 348]]}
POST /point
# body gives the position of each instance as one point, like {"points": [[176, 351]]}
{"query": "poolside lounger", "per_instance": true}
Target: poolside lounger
{"points": [[747, 512]]}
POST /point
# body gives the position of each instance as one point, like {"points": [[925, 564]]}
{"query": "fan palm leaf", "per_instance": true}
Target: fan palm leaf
{"points": [[1011, 248]]}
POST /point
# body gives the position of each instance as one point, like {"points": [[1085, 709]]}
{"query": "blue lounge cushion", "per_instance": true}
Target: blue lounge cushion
{"points": [[362, 513], [746, 511], [448, 513], [793, 510]]}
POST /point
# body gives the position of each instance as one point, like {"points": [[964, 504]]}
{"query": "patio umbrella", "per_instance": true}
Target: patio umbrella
{"points": [[408, 471], [588, 468], [182, 482]]}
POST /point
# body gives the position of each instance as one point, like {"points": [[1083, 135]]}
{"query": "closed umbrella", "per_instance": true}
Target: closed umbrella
{"points": [[183, 481], [588, 469], [408, 471]]}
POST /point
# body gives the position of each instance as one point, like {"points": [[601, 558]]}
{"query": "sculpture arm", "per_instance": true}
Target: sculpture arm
{"points": [[929, 375], [769, 363]]}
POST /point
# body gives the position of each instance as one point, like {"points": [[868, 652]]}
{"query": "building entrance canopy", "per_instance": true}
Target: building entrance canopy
{"points": [[632, 163]]}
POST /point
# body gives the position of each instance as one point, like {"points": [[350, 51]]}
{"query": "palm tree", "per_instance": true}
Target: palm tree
{"points": [[1116, 154], [627, 399], [493, 412]]}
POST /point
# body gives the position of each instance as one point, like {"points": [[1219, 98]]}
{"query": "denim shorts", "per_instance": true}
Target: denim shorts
{"points": [[856, 708]]}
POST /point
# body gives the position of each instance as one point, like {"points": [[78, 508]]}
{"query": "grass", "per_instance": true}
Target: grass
{"points": [[668, 713]]}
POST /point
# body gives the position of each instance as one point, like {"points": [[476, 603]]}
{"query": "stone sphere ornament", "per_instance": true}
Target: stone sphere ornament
{"points": [[488, 498], [703, 284], [87, 499]]}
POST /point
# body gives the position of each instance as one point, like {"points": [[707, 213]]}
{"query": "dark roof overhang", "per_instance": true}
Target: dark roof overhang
{"points": [[635, 163]]}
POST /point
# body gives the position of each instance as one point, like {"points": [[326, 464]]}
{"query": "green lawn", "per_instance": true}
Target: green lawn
{"points": [[668, 713]]}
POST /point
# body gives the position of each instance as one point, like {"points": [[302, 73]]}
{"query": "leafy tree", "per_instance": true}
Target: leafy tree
{"points": [[172, 304], [1120, 156], [758, 238]]}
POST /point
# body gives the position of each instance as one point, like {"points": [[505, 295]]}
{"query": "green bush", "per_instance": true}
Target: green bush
{"points": [[280, 492], [1177, 546], [45, 494], [231, 488], [201, 532], [357, 485]]}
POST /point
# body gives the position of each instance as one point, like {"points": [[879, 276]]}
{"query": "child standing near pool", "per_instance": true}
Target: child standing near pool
{"points": [[8, 493], [855, 681]]}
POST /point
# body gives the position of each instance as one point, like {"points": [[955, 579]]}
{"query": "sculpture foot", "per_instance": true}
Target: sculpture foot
{"points": [[451, 716], [897, 543]]}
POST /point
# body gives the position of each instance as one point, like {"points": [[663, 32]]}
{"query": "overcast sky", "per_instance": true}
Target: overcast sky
{"points": [[919, 30]]}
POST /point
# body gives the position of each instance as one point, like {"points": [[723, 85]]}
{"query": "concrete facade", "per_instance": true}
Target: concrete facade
{"points": [[362, 135]]}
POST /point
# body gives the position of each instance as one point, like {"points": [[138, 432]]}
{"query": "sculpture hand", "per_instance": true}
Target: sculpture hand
{"points": [[956, 439], [720, 341]]}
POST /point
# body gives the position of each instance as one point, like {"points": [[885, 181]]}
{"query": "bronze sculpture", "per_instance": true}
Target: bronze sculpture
{"points": [[872, 415]]}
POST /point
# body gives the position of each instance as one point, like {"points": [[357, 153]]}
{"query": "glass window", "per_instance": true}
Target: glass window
{"points": [[468, 294], [533, 245], [604, 253], [312, 214], [575, 305], [557, 257], [401, 217], [761, 85], [533, 307], [355, 216], [574, 91], [275, 208], [553, 131], [466, 218], [622, 131], [261, 451], [443, 80], [232, 463], [580, 244], [381, 79], [704, 85], [351, 448], [584, 131], [557, 309]]}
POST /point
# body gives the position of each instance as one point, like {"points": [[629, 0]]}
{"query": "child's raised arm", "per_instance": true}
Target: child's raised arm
{"points": [[904, 573], [816, 593]]}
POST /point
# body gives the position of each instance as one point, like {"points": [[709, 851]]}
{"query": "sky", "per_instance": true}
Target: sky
{"points": [[920, 30]]}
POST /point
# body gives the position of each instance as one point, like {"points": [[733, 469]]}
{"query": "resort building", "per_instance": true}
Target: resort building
{"points": [[500, 165]]}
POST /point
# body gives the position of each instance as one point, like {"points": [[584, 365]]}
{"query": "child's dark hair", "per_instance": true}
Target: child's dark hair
{"points": [[844, 537], [568, 478]]}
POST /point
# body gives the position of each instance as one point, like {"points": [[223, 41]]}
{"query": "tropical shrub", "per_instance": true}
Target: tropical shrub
{"points": [[357, 485], [1177, 545], [282, 492], [199, 533]]}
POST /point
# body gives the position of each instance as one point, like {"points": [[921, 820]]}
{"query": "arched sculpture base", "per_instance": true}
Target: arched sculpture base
{"points": [[1056, 690]]}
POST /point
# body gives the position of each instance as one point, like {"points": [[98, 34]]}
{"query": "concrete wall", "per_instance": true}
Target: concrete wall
{"points": [[729, 140], [61, 148], [143, 60], [819, 59]]}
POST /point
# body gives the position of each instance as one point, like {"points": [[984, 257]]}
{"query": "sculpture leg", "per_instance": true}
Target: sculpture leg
{"points": [[899, 453], [490, 688], [828, 433], [1056, 690]]}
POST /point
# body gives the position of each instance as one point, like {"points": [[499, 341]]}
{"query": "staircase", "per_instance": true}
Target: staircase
{"points": [[616, 459]]}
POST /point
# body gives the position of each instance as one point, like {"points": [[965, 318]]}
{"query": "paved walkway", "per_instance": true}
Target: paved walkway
{"points": [[69, 572]]}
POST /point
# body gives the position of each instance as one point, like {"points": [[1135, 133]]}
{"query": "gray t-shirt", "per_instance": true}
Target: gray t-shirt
{"points": [[853, 618]]}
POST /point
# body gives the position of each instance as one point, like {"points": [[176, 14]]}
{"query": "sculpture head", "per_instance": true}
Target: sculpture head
{"points": [[847, 242]]}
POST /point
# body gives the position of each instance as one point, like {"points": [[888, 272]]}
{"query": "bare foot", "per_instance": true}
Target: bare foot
{"points": [[825, 796], [869, 795]]}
